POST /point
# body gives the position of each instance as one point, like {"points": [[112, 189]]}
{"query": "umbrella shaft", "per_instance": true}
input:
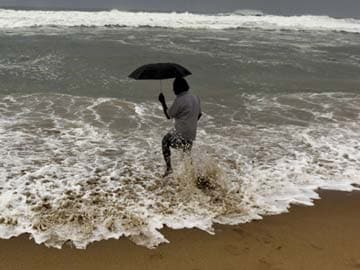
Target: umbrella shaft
{"points": [[161, 86]]}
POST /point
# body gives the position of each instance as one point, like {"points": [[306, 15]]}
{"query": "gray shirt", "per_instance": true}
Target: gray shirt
{"points": [[185, 110]]}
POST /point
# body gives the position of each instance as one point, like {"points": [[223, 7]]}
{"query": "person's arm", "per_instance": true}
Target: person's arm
{"points": [[163, 103]]}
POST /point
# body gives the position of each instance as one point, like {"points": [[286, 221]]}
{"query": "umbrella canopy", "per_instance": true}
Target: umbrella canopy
{"points": [[159, 71]]}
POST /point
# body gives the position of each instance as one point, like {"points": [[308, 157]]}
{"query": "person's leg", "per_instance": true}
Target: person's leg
{"points": [[186, 147], [176, 141], [166, 143]]}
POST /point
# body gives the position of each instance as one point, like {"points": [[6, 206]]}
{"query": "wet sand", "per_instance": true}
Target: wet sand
{"points": [[326, 236]]}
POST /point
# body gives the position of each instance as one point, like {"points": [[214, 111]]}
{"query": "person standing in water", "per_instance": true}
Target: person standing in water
{"points": [[186, 111]]}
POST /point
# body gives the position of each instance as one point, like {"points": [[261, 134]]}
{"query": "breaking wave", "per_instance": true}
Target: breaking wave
{"points": [[13, 19]]}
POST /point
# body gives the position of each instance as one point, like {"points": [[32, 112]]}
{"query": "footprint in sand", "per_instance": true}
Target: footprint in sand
{"points": [[156, 256], [264, 264], [235, 250], [239, 231], [355, 263]]}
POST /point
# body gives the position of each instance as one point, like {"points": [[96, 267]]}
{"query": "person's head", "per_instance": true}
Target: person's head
{"points": [[180, 85]]}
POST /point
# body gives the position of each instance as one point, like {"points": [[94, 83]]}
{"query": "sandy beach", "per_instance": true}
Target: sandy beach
{"points": [[325, 236]]}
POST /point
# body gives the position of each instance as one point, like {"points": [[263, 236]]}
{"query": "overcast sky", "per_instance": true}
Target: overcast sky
{"points": [[337, 8]]}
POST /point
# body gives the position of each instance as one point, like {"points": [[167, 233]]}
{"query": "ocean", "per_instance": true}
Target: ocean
{"points": [[80, 142]]}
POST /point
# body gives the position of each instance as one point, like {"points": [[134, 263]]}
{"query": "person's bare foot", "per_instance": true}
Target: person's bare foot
{"points": [[168, 172]]}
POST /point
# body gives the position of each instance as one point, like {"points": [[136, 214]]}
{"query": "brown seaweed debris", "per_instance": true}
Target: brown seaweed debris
{"points": [[8, 221], [355, 185], [204, 183]]}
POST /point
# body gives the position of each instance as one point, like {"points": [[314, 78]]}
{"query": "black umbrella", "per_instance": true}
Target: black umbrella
{"points": [[159, 71]]}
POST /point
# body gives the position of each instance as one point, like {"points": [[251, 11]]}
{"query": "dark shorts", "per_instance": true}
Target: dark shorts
{"points": [[176, 141]]}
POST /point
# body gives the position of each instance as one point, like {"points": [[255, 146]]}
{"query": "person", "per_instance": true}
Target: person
{"points": [[186, 111]]}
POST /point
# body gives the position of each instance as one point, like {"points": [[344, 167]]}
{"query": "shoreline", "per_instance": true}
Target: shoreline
{"points": [[324, 236]]}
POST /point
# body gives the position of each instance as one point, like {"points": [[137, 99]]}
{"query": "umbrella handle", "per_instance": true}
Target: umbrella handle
{"points": [[161, 91]]}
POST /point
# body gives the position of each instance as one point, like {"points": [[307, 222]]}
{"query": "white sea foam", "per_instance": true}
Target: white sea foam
{"points": [[84, 169], [10, 19]]}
